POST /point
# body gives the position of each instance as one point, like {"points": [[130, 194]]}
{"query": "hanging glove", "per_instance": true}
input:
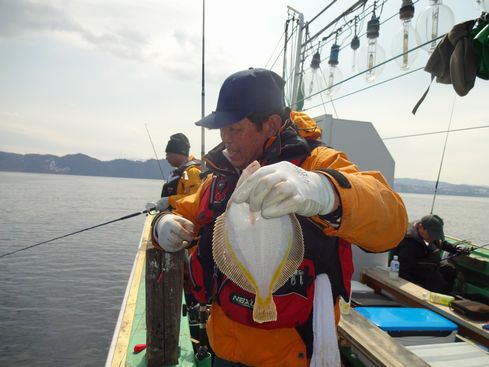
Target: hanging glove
{"points": [[160, 205], [283, 188], [173, 233]]}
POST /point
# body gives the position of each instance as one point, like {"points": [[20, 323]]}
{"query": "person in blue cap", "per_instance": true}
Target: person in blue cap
{"points": [[334, 202], [419, 255]]}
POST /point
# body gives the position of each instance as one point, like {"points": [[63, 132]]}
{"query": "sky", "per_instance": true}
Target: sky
{"points": [[90, 76]]}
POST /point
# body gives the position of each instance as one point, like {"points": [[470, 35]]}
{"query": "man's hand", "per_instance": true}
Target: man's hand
{"points": [[160, 205], [173, 233], [283, 188], [462, 250]]}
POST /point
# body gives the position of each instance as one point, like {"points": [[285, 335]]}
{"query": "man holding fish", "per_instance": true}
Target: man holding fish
{"points": [[330, 202]]}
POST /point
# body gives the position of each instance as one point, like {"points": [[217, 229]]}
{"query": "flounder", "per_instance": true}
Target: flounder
{"points": [[257, 253]]}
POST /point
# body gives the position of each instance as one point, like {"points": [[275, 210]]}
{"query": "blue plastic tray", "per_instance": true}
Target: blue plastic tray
{"points": [[406, 319]]}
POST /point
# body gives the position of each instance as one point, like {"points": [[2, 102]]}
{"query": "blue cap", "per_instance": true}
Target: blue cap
{"points": [[245, 93]]}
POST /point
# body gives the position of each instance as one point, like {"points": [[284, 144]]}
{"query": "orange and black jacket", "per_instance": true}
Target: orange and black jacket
{"points": [[183, 181], [371, 215]]}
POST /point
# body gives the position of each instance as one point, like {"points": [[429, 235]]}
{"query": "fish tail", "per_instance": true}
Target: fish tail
{"points": [[264, 310]]}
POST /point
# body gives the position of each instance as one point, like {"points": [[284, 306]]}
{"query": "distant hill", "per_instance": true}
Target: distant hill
{"points": [[412, 185], [81, 164]]}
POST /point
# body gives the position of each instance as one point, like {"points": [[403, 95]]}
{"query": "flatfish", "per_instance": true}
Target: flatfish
{"points": [[257, 253]]}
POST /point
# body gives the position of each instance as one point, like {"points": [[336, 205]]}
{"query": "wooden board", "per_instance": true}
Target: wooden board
{"points": [[412, 294], [378, 347], [120, 342]]}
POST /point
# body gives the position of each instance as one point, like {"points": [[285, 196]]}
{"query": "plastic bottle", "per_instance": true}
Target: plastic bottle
{"points": [[439, 298], [394, 271]]}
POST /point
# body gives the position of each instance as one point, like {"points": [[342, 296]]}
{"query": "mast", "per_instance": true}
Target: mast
{"points": [[297, 72], [202, 129]]}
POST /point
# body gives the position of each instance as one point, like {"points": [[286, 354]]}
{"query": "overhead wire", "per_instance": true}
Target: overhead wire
{"points": [[436, 132], [376, 66], [275, 49], [370, 86]]}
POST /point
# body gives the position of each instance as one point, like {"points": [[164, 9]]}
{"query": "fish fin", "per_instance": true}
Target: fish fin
{"points": [[248, 171], [264, 310], [294, 256]]}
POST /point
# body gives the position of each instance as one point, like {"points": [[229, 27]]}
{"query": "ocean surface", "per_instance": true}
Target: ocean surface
{"points": [[59, 302]]}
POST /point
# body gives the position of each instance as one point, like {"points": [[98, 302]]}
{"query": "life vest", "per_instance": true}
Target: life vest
{"points": [[171, 185], [294, 300]]}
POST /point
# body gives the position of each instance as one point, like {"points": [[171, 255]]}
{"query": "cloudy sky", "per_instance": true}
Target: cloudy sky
{"points": [[86, 76]]}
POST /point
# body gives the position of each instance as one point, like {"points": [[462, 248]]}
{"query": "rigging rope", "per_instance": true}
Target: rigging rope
{"points": [[368, 87], [437, 132]]}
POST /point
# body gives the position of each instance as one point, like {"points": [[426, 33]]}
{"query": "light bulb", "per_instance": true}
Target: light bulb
{"points": [[435, 20], [406, 39], [311, 78], [355, 44], [373, 54], [334, 75], [316, 82]]}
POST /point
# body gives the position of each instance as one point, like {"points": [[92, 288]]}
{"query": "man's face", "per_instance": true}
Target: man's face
{"points": [[175, 159], [244, 142], [424, 234]]}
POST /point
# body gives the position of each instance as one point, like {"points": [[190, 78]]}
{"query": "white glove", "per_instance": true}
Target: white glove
{"points": [[284, 188], [173, 232], [160, 205]]}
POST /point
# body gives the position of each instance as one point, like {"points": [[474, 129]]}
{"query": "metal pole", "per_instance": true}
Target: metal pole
{"points": [[297, 74], [202, 129]]}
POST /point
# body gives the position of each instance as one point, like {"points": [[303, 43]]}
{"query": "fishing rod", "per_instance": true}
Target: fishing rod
{"points": [[79, 231], [156, 155], [442, 157], [471, 249]]}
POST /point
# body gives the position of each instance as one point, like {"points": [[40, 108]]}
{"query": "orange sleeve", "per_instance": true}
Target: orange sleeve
{"points": [[188, 207], [189, 184], [373, 215]]}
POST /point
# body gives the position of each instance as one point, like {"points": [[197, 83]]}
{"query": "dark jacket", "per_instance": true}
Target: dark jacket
{"points": [[420, 262]]}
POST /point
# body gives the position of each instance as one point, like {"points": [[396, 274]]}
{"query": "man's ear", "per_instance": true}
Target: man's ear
{"points": [[273, 124]]}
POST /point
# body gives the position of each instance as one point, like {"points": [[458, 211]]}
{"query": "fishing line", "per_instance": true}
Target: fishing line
{"points": [[72, 233], [443, 156], [156, 155]]}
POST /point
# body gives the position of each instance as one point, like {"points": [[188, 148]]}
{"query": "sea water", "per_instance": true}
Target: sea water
{"points": [[59, 302]]}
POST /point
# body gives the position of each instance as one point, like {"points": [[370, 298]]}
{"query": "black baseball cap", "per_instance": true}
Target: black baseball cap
{"points": [[434, 225]]}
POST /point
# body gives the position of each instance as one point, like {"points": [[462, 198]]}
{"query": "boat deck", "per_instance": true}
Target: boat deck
{"points": [[412, 294], [131, 326]]}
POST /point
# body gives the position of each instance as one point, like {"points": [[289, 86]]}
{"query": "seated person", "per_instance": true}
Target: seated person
{"points": [[419, 255]]}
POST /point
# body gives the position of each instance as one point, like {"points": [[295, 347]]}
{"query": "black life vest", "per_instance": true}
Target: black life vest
{"points": [[171, 185]]}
